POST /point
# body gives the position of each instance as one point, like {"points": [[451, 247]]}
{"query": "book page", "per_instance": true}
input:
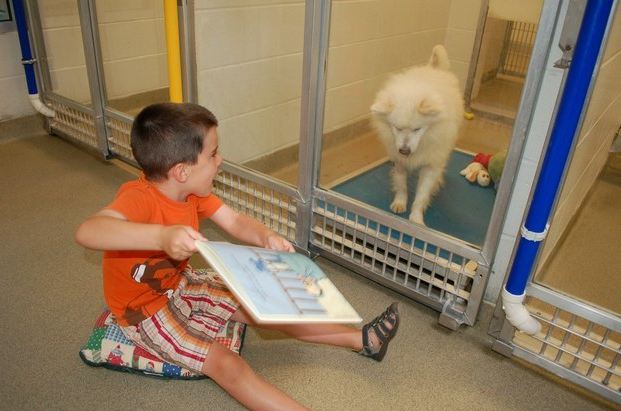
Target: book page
{"points": [[278, 286]]}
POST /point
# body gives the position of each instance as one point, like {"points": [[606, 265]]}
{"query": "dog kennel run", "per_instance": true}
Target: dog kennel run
{"points": [[442, 272]]}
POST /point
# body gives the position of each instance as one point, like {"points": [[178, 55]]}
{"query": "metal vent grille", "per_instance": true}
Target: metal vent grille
{"points": [[74, 121], [405, 262], [119, 137], [517, 48], [584, 347], [251, 197]]}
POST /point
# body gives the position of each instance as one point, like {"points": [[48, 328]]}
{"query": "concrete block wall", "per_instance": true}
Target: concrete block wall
{"points": [[14, 101], [249, 72], [132, 42], [249, 61]]}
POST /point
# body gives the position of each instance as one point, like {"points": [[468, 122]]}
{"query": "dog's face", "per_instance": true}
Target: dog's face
{"points": [[407, 119]]}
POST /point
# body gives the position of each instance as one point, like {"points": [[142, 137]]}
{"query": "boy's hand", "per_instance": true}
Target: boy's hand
{"points": [[178, 241], [275, 242]]}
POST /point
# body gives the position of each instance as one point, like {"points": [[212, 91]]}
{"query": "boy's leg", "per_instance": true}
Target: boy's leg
{"points": [[331, 334], [378, 332], [234, 375]]}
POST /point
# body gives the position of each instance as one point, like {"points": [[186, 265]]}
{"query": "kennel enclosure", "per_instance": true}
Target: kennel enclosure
{"points": [[440, 271]]}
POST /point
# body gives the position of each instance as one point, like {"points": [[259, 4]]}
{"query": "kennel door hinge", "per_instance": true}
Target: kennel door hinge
{"points": [[569, 34]]}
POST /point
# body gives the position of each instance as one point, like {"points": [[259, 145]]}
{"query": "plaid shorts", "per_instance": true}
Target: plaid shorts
{"points": [[196, 315]]}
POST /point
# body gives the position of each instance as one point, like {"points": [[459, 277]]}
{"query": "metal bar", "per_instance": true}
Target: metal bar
{"points": [[262, 179], [569, 375], [94, 69], [575, 306], [38, 43], [427, 235], [530, 91], [566, 126], [187, 24], [316, 29], [474, 58]]}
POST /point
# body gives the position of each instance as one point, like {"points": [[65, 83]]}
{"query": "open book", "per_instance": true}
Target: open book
{"points": [[278, 287]]}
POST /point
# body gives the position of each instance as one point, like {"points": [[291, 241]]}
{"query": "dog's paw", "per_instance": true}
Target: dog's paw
{"points": [[416, 216], [399, 205]]}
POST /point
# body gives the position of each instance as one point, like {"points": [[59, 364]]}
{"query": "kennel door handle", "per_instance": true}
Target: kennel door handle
{"points": [[569, 34]]}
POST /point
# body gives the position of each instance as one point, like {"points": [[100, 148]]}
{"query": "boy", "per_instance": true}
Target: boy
{"points": [[148, 235]]}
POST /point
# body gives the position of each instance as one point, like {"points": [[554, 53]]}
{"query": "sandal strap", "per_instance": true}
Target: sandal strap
{"points": [[382, 332]]}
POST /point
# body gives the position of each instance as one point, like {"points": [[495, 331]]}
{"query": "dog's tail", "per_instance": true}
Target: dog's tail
{"points": [[439, 58]]}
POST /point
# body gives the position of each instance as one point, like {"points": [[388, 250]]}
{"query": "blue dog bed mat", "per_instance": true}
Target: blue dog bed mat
{"points": [[460, 209]]}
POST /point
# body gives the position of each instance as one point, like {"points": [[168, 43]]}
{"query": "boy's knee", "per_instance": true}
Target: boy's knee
{"points": [[223, 365]]}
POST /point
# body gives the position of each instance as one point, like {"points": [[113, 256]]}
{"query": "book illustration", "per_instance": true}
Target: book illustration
{"points": [[278, 286]]}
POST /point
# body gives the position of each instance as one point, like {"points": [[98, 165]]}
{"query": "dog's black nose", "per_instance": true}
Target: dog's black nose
{"points": [[405, 151]]}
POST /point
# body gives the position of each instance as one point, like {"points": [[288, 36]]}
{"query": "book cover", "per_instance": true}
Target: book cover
{"points": [[276, 286]]}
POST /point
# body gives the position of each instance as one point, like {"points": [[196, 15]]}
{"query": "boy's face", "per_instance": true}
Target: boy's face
{"points": [[205, 170]]}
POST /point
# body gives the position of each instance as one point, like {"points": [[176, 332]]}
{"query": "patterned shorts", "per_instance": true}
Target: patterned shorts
{"points": [[183, 330]]}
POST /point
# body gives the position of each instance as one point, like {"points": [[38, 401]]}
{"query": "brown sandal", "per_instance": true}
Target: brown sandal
{"points": [[384, 327]]}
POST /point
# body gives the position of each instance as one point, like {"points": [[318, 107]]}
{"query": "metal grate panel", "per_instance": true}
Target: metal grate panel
{"points": [[74, 121], [584, 347], [403, 261], [250, 196], [517, 48], [118, 132]]}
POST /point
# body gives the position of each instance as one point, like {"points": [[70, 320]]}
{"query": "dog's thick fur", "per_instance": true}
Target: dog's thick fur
{"points": [[417, 115]]}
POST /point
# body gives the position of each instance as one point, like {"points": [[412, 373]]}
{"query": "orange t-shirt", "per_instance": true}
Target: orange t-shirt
{"points": [[138, 283]]}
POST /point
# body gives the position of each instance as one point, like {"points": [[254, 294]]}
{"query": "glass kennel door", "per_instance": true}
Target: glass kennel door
{"points": [[249, 65], [64, 61], [444, 263]]}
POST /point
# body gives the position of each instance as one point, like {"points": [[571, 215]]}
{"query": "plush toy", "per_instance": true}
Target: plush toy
{"points": [[496, 165], [485, 168], [476, 172]]}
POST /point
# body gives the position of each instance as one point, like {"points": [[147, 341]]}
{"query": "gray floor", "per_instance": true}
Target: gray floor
{"points": [[52, 294]]}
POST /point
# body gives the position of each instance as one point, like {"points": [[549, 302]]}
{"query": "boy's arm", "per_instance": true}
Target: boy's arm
{"points": [[249, 230], [110, 230]]}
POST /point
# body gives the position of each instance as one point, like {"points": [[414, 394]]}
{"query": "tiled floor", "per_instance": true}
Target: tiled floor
{"points": [[499, 97]]}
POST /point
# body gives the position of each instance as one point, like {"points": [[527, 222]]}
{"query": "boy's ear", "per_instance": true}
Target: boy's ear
{"points": [[179, 172]]}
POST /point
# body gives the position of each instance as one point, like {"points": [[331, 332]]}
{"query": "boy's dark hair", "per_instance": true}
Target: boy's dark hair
{"points": [[165, 134]]}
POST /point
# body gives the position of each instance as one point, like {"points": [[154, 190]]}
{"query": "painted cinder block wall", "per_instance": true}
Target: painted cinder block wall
{"points": [[133, 47], [249, 61], [14, 101]]}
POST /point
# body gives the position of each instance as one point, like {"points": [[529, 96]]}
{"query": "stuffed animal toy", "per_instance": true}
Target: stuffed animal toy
{"points": [[476, 172], [496, 165], [485, 168]]}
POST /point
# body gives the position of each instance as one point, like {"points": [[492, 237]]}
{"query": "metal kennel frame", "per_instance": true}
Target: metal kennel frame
{"points": [[578, 342], [516, 49], [442, 272], [437, 270]]}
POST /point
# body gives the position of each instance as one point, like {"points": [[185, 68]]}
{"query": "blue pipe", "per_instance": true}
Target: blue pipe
{"points": [[579, 79], [24, 44]]}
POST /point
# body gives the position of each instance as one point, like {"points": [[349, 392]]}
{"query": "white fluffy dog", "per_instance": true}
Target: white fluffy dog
{"points": [[417, 115]]}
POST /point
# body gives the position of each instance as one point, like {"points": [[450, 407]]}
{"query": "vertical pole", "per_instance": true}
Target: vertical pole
{"points": [[316, 28], [171, 21], [572, 103], [94, 69]]}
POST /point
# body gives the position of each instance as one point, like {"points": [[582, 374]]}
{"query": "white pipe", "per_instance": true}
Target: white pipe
{"points": [[517, 314], [39, 106]]}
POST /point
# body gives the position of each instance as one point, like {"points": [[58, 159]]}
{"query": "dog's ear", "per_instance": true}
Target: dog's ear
{"points": [[382, 105], [429, 107]]}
